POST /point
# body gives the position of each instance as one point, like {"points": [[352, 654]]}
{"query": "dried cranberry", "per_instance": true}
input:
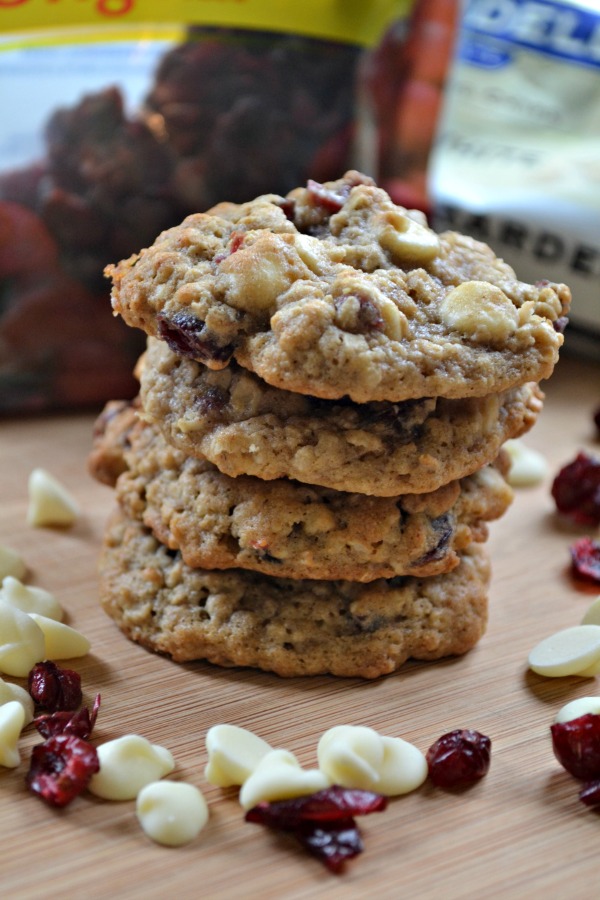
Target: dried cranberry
{"points": [[585, 558], [576, 745], [186, 336], [322, 822], [333, 200], [443, 533], [326, 197], [81, 723], [54, 688], [331, 804], [235, 242], [459, 758], [331, 842], [287, 206], [560, 324], [590, 793], [576, 490], [61, 768]]}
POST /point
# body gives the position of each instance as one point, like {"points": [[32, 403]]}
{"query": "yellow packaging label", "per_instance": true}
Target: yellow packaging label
{"points": [[360, 22]]}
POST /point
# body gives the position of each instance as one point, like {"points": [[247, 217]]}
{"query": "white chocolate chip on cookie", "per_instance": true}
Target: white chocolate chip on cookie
{"points": [[405, 240], [480, 311]]}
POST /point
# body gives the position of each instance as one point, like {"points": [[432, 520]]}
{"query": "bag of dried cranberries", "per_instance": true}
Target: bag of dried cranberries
{"points": [[124, 116]]}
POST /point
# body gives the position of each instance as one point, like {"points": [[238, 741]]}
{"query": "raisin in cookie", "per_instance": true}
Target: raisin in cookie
{"points": [[334, 291], [293, 530], [246, 427], [239, 618]]}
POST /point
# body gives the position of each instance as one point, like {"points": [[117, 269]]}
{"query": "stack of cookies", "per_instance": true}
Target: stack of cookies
{"points": [[305, 479]]}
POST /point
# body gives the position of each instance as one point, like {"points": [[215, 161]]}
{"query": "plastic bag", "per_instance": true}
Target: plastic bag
{"points": [[115, 129], [516, 162]]}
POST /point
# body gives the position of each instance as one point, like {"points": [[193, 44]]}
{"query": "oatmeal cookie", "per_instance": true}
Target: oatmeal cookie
{"points": [[292, 530], [111, 438], [334, 291], [246, 427], [240, 618]]}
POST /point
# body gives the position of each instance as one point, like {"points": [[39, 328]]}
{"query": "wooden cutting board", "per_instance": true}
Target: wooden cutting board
{"points": [[520, 832]]}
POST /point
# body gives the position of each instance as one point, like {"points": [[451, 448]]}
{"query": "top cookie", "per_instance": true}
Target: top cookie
{"points": [[335, 291]]}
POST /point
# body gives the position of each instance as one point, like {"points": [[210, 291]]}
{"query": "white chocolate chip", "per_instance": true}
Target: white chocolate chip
{"points": [[592, 614], [351, 755], [406, 240], [310, 251], [590, 671], [49, 502], [577, 708], [279, 776], [359, 757], [22, 642], [171, 812], [233, 754], [11, 563], [568, 652], [62, 641], [527, 466], [10, 692], [12, 719], [481, 311], [30, 599], [395, 322], [127, 764]]}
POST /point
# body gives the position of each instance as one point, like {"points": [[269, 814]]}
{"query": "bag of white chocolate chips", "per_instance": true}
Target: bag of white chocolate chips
{"points": [[516, 159]]}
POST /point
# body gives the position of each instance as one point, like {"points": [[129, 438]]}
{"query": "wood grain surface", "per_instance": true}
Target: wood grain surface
{"points": [[520, 832]]}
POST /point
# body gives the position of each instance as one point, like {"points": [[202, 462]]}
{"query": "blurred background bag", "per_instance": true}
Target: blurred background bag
{"points": [[516, 160], [120, 117]]}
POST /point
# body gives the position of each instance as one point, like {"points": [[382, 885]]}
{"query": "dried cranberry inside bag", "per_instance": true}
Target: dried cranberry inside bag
{"points": [[91, 173]]}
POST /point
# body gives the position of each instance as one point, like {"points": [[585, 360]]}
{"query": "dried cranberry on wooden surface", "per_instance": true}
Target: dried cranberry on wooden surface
{"points": [[576, 745], [459, 758], [585, 558], [322, 822], [576, 490], [54, 688], [80, 723], [61, 768], [590, 793]]}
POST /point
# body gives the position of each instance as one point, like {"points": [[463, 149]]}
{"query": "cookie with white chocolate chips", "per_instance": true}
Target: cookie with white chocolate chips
{"points": [[245, 427], [293, 530], [334, 291], [240, 618]]}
